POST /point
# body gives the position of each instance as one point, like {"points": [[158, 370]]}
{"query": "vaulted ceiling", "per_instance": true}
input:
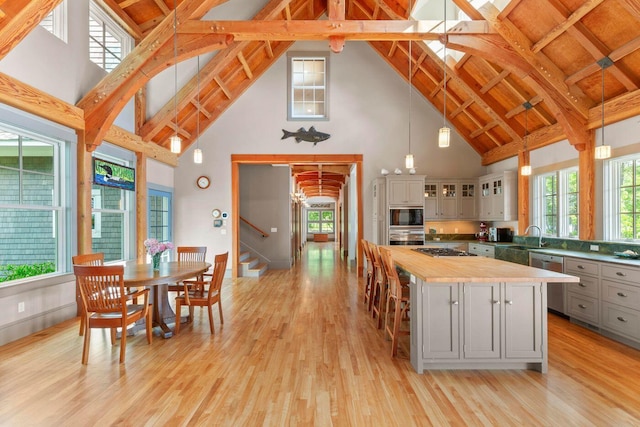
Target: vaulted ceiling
{"points": [[544, 54]]}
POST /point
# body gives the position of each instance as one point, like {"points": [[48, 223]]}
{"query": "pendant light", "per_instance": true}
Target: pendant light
{"points": [[603, 151], [176, 142], [408, 160], [525, 170], [197, 153], [444, 133]]}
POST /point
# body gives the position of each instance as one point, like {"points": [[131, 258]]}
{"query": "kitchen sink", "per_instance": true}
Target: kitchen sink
{"points": [[520, 248]]}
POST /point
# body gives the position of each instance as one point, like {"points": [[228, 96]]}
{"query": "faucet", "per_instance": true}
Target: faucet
{"points": [[526, 231]]}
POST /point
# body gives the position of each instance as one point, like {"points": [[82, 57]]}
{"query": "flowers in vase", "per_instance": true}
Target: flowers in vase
{"points": [[156, 248]]}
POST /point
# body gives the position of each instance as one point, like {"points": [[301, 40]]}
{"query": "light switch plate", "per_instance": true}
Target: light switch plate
{"points": [[594, 248], [274, 229]]}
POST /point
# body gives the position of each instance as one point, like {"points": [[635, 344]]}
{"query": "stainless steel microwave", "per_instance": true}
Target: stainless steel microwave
{"points": [[409, 216]]}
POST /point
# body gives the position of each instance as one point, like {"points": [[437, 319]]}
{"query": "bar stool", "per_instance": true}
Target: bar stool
{"points": [[379, 286], [369, 281], [397, 301]]}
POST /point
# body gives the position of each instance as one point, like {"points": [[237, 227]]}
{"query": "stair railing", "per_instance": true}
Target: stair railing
{"points": [[263, 233]]}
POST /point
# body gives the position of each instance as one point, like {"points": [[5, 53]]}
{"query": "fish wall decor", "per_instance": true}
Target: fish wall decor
{"points": [[312, 135]]}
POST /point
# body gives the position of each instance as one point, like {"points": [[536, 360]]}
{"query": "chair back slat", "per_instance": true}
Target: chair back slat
{"points": [[381, 276], [390, 270], [367, 255], [219, 268], [101, 287], [88, 259], [192, 253]]}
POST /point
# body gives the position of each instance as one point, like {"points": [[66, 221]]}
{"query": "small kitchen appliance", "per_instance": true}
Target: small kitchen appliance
{"points": [[500, 234], [483, 234]]}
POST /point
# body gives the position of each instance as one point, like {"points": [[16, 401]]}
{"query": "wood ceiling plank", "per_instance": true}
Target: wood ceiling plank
{"points": [[245, 66]]}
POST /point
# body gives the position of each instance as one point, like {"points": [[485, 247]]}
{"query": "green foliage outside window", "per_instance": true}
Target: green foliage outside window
{"points": [[14, 272]]}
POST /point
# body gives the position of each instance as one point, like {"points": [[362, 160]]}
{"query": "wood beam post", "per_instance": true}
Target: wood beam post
{"points": [[84, 195], [523, 193], [587, 187], [141, 206]]}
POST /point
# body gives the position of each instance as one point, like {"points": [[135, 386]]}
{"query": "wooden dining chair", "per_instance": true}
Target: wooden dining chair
{"points": [[203, 293], [105, 304], [369, 281], [86, 259], [380, 286], [397, 301], [189, 254]]}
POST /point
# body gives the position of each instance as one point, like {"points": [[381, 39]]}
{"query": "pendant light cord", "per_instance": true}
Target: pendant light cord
{"points": [[175, 66], [410, 94], [198, 107], [602, 105], [444, 67]]}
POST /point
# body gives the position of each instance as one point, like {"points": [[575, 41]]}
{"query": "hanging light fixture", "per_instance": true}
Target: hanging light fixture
{"points": [[408, 160], [444, 133], [525, 170], [176, 142], [197, 153], [603, 151]]}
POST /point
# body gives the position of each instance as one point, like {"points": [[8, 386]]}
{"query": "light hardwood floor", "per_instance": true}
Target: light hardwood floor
{"points": [[299, 348]]}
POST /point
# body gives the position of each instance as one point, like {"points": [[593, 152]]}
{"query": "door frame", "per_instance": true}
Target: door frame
{"points": [[238, 159]]}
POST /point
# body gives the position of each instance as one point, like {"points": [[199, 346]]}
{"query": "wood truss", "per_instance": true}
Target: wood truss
{"points": [[507, 60]]}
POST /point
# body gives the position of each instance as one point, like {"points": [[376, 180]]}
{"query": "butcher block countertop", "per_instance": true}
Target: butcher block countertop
{"points": [[470, 269]]}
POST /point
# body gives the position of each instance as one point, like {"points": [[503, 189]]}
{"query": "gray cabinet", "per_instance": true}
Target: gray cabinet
{"points": [[405, 190], [450, 199], [380, 210], [583, 297], [498, 197], [480, 249], [498, 325]]}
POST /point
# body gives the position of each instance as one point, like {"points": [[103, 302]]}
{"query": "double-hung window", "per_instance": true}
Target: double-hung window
{"points": [[320, 221], [108, 42], [32, 212], [622, 198], [308, 78], [555, 203]]}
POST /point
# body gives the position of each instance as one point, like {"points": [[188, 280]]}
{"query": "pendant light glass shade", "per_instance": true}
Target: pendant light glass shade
{"points": [[197, 156], [525, 170], [408, 161], [603, 152], [176, 144], [443, 137]]}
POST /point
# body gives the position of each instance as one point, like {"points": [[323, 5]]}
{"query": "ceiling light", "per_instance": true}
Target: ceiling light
{"points": [[603, 151], [176, 142]]}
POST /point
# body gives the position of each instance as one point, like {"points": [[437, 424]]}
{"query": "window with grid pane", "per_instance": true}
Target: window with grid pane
{"points": [[320, 221], [108, 42], [622, 212], [555, 204], [308, 86]]}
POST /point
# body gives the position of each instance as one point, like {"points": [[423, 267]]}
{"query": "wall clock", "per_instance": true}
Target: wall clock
{"points": [[203, 182], [216, 213]]}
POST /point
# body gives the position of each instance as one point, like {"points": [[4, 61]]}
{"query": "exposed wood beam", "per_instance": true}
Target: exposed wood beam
{"points": [[245, 66], [336, 12], [20, 17], [323, 30], [116, 12]]}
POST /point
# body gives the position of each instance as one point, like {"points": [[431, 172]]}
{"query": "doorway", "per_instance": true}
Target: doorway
{"points": [[344, 159]]}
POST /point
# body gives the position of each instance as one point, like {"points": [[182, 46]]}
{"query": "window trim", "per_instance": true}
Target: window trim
{"points": [[611, 223], [561, 199], [58, 22], [291, 56]]}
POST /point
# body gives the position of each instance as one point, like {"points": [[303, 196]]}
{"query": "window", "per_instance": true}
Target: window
{"points": [[108, 42], [308, 95], [55, 22], [160, 217], [320, 221], [622, 212], [555, 206], [32, 213], [110, 219]]}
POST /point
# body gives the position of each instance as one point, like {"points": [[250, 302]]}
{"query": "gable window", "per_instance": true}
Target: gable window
{"points": [[108, 42], [55, 22], [308, 86], [32, 211], [555, 204], [622, 212]]}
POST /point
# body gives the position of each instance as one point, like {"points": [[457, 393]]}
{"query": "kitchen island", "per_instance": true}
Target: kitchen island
{"points": [[471, 312]]}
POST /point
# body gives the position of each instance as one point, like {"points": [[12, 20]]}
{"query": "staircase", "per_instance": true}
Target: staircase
{"points": [[250, 265]]}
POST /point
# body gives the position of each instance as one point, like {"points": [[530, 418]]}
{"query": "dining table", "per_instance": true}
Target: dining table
{"points": [[158, 281]]}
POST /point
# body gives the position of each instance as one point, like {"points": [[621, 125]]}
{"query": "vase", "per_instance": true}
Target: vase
{"points": [[155, 259]]}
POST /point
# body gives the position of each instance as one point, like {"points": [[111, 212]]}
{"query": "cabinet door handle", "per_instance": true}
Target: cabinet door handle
{"points": [[622, 319], [582, 285], [581, 267], [509, 302], [582, 306], [497, 302], [621, 274], [454, 302], [622, 294]]}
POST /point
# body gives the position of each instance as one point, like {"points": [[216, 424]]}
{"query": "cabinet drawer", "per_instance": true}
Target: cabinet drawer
{"points": [[620, 319], [621, 294], [583, 308], [579, 266], [482, 250], [587, 286], [615, 272]]}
